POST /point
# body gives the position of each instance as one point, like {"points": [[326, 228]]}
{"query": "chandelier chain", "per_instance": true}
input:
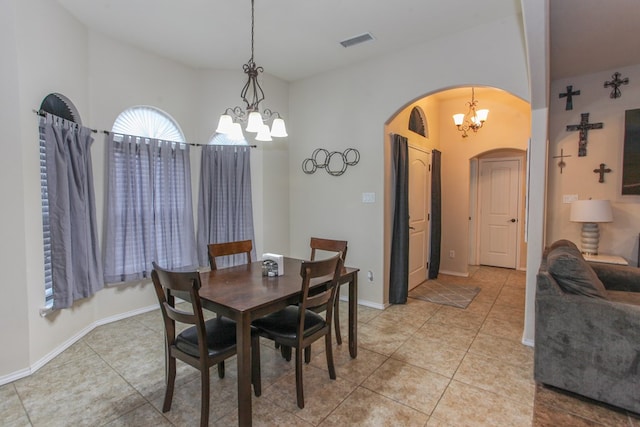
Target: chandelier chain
{"points": [[252, 95], [252, 30]]}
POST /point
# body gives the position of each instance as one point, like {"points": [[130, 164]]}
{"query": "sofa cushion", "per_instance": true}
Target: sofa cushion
{"points": [[564, 243], [573, 274]]}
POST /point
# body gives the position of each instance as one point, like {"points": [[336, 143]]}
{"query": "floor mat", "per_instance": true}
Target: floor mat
{"points": [[447, 294]]}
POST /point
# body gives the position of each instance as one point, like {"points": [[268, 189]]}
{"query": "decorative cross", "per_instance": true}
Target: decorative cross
{"points": [[602, 170], [569, 95], [615, 84], [584, 128], [561, 163]]}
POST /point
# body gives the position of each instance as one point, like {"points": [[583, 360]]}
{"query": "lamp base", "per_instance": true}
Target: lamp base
{"points": [[590, 238]]}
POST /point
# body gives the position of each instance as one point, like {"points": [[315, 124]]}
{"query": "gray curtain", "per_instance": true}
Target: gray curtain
{"points": [[225, 212], [75, 253], [399, 275], [436, 213], [149, 212]]}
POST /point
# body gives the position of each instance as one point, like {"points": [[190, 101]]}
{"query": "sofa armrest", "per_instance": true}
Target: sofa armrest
{"points": [[618, 277], [589, 346]]}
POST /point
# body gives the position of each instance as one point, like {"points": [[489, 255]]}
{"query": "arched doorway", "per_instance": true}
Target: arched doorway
{"points": [[507, 128]]}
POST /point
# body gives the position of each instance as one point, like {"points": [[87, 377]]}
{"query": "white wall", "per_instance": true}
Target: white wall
{"points": [[13, 316], [45, 67], [348, 108], [619, 237]]}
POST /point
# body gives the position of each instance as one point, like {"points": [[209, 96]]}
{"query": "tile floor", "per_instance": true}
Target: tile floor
{"points": [[418, 364]]}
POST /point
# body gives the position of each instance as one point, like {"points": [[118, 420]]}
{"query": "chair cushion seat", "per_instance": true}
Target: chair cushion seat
{"points": [[221, 337], [284, 323]]}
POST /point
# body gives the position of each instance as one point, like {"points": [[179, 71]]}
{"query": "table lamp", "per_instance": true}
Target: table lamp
{"points": [[590, 213]]}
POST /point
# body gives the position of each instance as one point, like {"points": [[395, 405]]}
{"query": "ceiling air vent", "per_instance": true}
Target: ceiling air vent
{"points": [[357, 40]]}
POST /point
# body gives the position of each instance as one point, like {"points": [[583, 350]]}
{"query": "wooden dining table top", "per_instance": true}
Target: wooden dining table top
{"points": [[243, 287]]}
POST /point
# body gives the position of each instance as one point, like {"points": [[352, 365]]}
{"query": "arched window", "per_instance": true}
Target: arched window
{"points": [[149, 213], [418, 122], [72, 268], [61, 106], [150, 122]]}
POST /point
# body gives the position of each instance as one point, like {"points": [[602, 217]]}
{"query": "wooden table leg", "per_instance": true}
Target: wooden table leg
{"points": [[353, 315], [243, 342]]}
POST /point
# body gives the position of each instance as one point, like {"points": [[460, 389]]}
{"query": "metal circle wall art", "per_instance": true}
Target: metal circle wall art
{"points": [[335, 162]]}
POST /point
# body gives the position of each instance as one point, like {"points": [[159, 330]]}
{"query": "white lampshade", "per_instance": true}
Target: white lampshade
{"points": [[264, 134], [254, 123], [482, 115], [278, 128], [591, 211], [458, 119], [224, 124], [236, 132]]}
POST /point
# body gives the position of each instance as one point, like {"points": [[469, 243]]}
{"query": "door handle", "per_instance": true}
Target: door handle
{"points": [[411, 228], [513, 220]]}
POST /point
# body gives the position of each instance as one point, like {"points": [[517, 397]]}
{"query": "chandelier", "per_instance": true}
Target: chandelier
{"points": [[252, 94], [473, 120]]}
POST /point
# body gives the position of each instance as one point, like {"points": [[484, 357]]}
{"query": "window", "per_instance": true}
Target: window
{"points": [[149, 207], [73, 268], [60, 106], [418, 122], [148, 121]]}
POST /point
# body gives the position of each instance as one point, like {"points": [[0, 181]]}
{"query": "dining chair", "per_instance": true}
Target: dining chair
{"points": [[298, 326], [329, 245], [201, 345], [229, 248], [226, 249]]}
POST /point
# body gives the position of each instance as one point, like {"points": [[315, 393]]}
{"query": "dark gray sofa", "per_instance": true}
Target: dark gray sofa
{"points": [[587, 335]]}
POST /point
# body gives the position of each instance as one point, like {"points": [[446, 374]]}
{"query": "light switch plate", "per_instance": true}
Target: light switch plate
{"points": [[368, 197], [568, 198]]}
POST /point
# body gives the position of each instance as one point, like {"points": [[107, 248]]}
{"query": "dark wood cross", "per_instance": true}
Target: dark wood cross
{"points": [[602, 170], [561, 163], [615, 84], [569, 94], [584, 128]]}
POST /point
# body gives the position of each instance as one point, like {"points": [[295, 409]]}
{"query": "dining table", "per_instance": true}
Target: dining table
{"points": [[243, 294]]}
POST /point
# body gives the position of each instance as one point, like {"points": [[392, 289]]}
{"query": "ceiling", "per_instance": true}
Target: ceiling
{"points": [[588, 36], [295, 39]]}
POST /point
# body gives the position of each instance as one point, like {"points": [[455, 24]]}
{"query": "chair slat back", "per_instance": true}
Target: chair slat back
{"points": [[328, 245], [166, 284], [328, 269], [229, 248]]}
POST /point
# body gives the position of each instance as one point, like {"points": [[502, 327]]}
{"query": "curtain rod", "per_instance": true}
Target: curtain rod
{"points": [[106, 132], [42, 113]]}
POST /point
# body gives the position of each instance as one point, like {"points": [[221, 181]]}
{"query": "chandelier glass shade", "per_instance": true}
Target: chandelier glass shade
{"points": [[252, 95], [473, 119]]}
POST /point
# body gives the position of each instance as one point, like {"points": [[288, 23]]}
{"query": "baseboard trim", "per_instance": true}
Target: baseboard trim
{"points": [[366, 303], [14, 376], [454, 273], [528, 342]]}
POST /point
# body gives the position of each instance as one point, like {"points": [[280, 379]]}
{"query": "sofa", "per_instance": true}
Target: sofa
{"points": [[587, 328]]}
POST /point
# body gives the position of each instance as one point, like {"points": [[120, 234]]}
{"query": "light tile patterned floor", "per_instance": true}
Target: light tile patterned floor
{"points": [[418, 364]]}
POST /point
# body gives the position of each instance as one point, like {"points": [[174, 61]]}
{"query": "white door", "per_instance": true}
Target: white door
{"points": [[419, 203], [499, 200]]}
